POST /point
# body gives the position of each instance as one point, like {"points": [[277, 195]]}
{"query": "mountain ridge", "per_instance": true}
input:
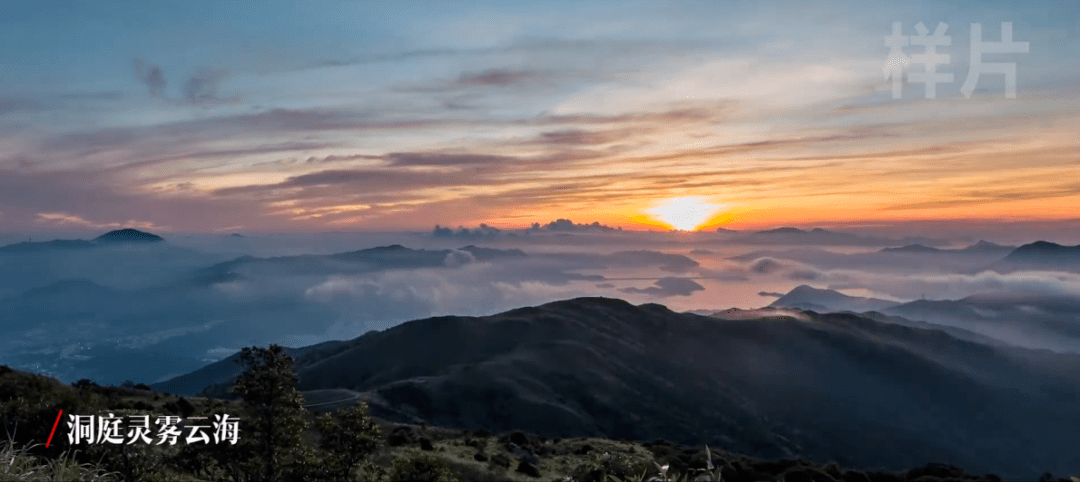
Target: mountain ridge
{"points": [[772, 388]]}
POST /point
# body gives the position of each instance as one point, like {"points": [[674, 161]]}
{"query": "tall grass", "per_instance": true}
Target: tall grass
{"points": [[18, 464]]}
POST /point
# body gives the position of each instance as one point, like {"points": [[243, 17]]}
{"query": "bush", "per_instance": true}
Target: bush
{"points": [[501, 460], [607, 466], [347, 438], [29, 405], [426, 445], [420, 467], [185, 407], [519, 439], [528, 469], [399, 436]]}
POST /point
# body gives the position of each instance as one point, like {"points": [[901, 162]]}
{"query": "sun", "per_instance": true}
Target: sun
{"points": [[684, 213]]}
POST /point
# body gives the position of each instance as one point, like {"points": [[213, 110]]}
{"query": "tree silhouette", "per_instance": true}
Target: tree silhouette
{"points": [[347, 439], [274, 419]]}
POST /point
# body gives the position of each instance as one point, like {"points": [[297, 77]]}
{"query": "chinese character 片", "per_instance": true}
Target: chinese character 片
{"points": [[897, 61]]}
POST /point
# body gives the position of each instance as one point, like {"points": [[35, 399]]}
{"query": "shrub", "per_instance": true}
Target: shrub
{"points": [[347, 438], [501, 460], [29, 405], [420, 467], [185, 407], [519, 439], [425, 444], [607, 466], [401, 435], [528, 469]]}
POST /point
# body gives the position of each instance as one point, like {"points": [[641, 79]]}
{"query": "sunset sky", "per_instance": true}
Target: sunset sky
{"points": [[335, 115]]}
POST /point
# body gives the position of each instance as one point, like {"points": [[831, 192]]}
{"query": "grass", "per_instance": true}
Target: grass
{"points": [[453, 454], [409, 452], [17, 464]]}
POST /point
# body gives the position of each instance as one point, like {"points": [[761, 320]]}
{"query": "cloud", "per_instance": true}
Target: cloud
{"points": [[566, 225], [488, 78], [498, 77], [88, 198], [457, 257], [668, 286], [482, 232], [202, 89], [152, 76], [765, 266], [337, 179], [199, 89], [413, 159], [65, 220]]}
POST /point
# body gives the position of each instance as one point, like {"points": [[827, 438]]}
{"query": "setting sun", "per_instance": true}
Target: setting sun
{"points": [[684, 213]]}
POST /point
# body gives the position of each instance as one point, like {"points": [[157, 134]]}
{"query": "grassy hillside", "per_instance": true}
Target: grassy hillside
{"points": [[829, 387], [407, 451]]}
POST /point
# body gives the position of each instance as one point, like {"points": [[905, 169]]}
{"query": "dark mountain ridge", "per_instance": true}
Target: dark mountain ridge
{"points": [[1024, 319], [977, 248], [822, 300], [126, 235], [839, 387], [1041, 255], [378, 258], [34, 246], [819, 236]]}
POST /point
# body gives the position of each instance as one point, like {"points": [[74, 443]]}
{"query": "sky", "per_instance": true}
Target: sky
{"points": [[339, 115]]}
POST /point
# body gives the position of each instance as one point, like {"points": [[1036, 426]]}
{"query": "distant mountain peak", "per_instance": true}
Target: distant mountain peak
{"points": [[784, 230], [912, 248], [984, 245], [31, 246], [1040, 246], [128, 235], [1044, 250], [828, 300]]}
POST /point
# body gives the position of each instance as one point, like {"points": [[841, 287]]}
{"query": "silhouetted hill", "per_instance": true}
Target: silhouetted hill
{"points": [[42, 246], [378, 258], [1044, 251], [981, 247], [1040, 249], [1025, 320], [841, 387], [986, 246], [1040, 255], [912, 248], [782, 231], [819, 236], [128, 235], [808, 298]]}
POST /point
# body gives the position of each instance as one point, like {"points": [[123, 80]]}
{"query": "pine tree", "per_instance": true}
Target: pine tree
{"points": [[274, 418], [347, 438]]}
